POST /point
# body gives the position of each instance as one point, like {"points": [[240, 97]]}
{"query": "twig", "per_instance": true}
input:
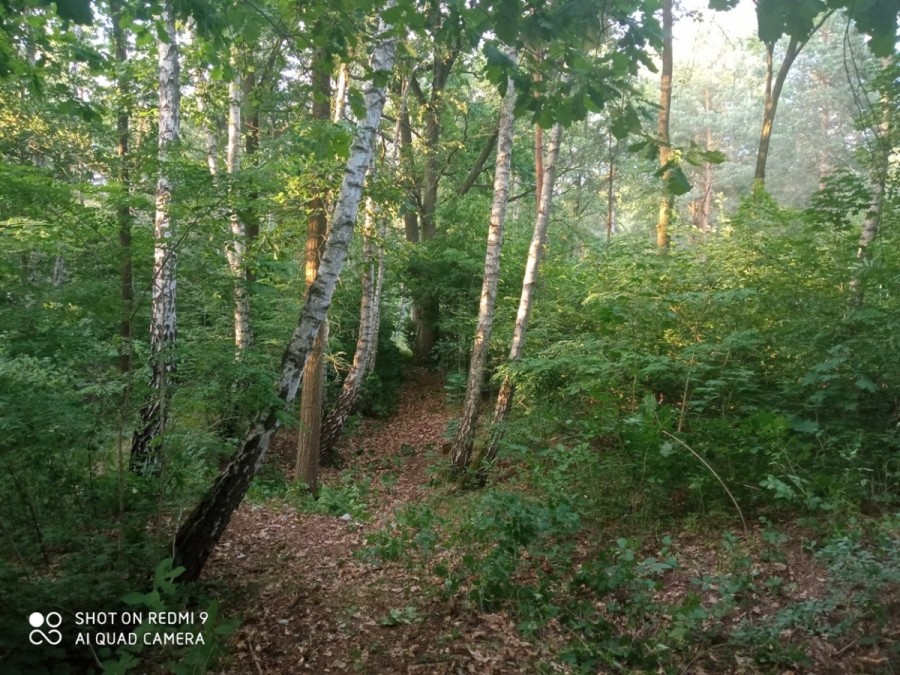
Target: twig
{"points": [[255, 658], [713, 472]]}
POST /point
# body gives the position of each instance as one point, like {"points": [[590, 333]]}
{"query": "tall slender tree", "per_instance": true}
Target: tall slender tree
{"points": [[235, 248], [123, 210], [366, 339], [145, 450], [529, 282], [667, 200], [461, 450], [306, 469]]}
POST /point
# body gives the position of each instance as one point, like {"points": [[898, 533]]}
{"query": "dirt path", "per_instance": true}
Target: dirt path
{"points": [[309, 605]]}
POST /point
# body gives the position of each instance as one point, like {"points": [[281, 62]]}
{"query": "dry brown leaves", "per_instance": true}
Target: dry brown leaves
{"points": [[309, 606]]}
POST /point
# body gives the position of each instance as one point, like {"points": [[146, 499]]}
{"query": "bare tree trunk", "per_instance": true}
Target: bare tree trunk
{"points": [[145, 454], [529, 281], [773, 94], [235, 250], [340, 96], [461, 450], [404, 128], [478, 166], [123, 211], [426, 310], [365, 339], [703, 222], [538, 166], [306, 469], [210, 138], [202, 530], [665, 109], [251, 123], [379, 286], [611, 187]]}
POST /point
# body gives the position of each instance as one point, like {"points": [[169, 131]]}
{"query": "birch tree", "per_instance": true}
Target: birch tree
{"points": [[529, 281], [203, 528], [235, 249], [145, 450], [461, 449], [367, 337]]}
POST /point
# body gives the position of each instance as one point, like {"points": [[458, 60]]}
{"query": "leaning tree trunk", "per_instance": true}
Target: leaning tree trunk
{"points": [[665, 148], [145, 453], [773, 94], [365, 345], [199, 534], [461, 449], [535, 251]]}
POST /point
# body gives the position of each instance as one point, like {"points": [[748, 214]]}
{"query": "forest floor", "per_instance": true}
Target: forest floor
{"points": [[309, 602]]}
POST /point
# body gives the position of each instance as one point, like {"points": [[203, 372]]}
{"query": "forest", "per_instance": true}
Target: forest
{"points": [[449, 336]]}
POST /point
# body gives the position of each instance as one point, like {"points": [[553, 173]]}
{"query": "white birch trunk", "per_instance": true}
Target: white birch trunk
{"points": [[529, 281], [461, 450], [145, 458], [210, 138], [236, 248], [363, 356], [202, 530]]}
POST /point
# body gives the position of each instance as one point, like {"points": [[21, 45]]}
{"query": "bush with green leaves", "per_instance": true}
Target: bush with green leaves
{"points": [[746, 347]]}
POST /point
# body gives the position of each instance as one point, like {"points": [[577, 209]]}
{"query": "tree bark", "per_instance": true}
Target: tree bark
{"points": [[340, 96], [235, 250], [426, 308], [411, 216], [611, 187], [529, 281], [538, 167], [773, 94], [202, 530], [251, 123], [665, 148], [461, 450], [365, 339], [210, 137], [145, 453], [478, 166], [123, 210], [306, 469]]}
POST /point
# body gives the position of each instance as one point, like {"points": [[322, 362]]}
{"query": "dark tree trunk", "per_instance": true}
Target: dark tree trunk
{"points": [[773, 94]]}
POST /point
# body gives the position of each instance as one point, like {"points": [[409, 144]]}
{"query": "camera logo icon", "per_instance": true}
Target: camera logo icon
{"points": [[52, 621]]}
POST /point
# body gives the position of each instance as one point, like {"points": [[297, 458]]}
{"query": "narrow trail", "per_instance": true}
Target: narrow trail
{"points": [[309, 604]]}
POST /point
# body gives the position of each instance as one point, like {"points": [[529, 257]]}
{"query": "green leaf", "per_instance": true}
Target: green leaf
{"points": [[134, 598], [676, 182], [805, 426]]}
